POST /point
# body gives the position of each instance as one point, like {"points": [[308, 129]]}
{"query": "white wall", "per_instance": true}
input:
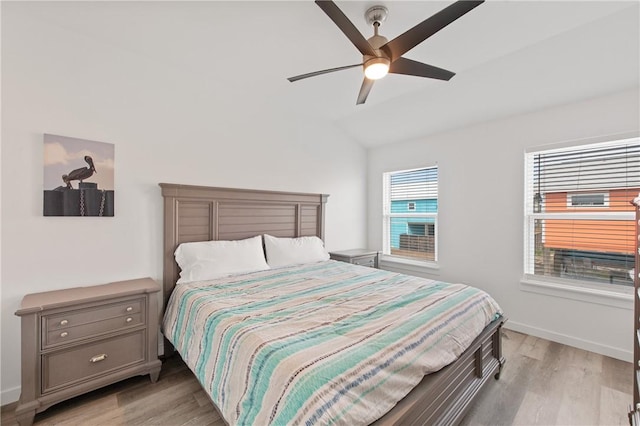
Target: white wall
{"points": [[480, 213], [168, 125]]}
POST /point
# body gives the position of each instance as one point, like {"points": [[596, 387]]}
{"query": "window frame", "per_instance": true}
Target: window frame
{"points": [[387, 215], [610, 295]]}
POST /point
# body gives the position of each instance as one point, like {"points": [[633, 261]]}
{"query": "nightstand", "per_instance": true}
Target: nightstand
{"points": [[80, 339], [361, 257]]}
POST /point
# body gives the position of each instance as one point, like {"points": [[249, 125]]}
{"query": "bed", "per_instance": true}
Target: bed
{"points": [[195, 213]]}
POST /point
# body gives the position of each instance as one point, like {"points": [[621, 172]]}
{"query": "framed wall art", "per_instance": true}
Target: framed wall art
{"points": [[78, 177]]}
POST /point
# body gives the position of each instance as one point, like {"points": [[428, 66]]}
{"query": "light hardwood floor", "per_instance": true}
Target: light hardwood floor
{"points": [[542, 383], [546, 383]]}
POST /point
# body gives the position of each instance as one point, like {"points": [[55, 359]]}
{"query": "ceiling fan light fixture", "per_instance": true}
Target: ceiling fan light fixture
{"points": [[376, 68]]}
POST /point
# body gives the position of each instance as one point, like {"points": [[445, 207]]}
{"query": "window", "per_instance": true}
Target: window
{"points": [[588, 200], [411, 214], [421, 229], [578, 217]]}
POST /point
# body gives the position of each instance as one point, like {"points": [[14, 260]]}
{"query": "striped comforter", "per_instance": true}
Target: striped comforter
{"points": [[320, 343]]}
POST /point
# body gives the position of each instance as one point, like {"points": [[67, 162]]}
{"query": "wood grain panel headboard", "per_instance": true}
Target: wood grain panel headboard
{"points": [[201, 213]]}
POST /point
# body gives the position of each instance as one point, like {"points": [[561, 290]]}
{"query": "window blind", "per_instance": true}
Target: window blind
{"points": [[580, 223]]}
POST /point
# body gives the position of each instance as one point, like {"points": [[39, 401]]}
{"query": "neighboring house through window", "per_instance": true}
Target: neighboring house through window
{"points": [[410, 214], [579, 223]]}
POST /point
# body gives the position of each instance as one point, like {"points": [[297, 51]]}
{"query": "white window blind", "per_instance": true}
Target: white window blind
{"points": [[410, 214], [578, 217]]}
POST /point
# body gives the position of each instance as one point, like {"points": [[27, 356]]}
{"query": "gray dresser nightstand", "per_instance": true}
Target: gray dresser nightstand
{"points": [[361, 257], [80, 339]]}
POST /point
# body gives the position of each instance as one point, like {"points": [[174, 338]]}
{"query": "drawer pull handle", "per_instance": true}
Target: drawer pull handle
{"points": [[98, 358], [129, 309], [64, 322], [64, 334], [129, 319]]}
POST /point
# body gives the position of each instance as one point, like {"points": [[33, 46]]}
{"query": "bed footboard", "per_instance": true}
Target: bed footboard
{"points": [[443, 398]]}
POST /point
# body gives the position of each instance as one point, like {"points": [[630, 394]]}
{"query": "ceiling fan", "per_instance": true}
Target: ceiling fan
{"points": [[380, 56]]}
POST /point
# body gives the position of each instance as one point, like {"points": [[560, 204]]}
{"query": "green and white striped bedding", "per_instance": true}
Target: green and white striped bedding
{"points": [[320, 343]]}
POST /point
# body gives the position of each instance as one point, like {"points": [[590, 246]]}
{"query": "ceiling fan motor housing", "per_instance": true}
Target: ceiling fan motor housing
{"points": [[376, 42], [375, 16]]}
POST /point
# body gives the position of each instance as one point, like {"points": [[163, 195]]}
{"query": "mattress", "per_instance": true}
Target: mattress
{"points": [[320, 343]]}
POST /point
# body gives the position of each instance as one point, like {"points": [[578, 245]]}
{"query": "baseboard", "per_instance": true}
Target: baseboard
{"points": [[8, 396], [587, 345]]}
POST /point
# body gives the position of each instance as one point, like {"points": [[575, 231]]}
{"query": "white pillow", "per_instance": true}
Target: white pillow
{"points": [[207, 260], [294, 251]]}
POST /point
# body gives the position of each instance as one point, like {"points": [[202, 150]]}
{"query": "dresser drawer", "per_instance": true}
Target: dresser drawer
{"points": [[68, 327], [70, 334], [82, 363], [93, 314], [369, 261]]}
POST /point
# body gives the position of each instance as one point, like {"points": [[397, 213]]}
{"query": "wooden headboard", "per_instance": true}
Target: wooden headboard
{"points": [[201, 213]]}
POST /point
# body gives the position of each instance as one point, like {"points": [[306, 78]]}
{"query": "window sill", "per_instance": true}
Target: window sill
{"points": [[408, 266], [619, 299]]}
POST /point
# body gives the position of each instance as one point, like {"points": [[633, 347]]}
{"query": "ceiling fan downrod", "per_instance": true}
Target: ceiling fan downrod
{"points": [[376, 67]]}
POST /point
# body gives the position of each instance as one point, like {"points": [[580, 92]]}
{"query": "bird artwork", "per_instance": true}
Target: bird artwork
{"points": [[80, 174], [92, 194]]}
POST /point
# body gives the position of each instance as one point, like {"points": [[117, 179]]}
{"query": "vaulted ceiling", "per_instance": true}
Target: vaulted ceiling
{"points": [[510, 57]]}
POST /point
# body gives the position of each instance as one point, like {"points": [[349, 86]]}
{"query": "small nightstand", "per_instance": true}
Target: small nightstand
{"points": [[80, 339], [361, 257]]}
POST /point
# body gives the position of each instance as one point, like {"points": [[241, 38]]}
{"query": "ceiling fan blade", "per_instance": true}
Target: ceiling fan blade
{"points": [[367, 84], [410, 67], [346, 26], [416, 35], [313, 74]]}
